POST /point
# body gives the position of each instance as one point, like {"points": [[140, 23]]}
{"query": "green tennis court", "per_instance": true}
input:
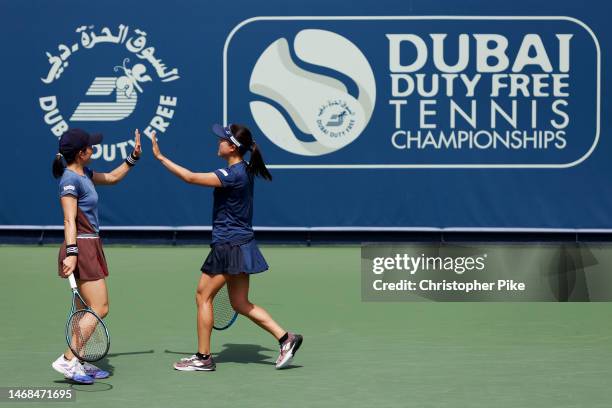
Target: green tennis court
{"points": [[355, 354]]}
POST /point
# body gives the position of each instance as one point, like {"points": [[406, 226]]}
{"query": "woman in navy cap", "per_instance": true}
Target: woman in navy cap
{"points": [[81, 253], [234, 255]]}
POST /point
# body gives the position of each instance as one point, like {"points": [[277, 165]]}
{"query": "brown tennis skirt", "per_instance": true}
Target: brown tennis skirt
{"points": [[91, 264]]}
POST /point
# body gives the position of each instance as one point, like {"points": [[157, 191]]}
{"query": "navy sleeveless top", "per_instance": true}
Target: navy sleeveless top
{"points": [[233, 205]]}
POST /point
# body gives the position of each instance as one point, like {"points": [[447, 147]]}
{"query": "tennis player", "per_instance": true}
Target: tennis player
{"points": [[82, 253], [234, 254]]}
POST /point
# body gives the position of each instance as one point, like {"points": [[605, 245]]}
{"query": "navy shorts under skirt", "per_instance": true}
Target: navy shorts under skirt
{"points": [[234, 259]]}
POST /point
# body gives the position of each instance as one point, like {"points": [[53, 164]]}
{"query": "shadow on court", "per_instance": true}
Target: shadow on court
{"points": [[105, 364], [241, 353], [97, 386]]}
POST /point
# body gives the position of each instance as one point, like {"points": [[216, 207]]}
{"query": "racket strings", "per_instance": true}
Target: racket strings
{"points": [[88, 338], [222, 309]]}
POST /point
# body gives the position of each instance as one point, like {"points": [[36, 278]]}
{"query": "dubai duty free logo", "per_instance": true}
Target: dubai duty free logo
{"points": [[112, 96], [434, 91], [318, 105]]}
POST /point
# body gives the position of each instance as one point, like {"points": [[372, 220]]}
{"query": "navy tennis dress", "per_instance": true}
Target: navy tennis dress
{"points": [[233, 247]]}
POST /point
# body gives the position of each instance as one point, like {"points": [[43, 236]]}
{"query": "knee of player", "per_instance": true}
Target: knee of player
{"points": [[202, 299], [101, 310], [243, 306]]}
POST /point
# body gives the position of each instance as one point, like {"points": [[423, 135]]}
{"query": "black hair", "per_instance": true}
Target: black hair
{"points": [[256, 165], [61, 160]]}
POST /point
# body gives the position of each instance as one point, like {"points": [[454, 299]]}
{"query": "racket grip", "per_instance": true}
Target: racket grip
{"points": [[72, 281]]}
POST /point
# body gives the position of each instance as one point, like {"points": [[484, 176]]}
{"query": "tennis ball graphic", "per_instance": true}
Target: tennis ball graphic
{"points": [[317, 105]]}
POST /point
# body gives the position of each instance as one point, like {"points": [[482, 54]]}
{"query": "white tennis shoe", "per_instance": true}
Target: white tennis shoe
{"points": [[72, 370]]}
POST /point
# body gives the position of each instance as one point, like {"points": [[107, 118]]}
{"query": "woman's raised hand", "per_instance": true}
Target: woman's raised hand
{"points": [[137, 145], [156, 152]]}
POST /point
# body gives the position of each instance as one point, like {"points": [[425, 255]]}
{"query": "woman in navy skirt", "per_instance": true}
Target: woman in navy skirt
{"points": [[234, 254]]}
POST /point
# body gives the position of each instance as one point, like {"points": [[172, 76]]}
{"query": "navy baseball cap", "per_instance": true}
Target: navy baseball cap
{"points": [[226, 134], [77, 140]]}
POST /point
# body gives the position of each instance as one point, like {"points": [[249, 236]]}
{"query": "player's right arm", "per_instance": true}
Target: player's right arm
{"points": [[69, 208], [202, 179]]}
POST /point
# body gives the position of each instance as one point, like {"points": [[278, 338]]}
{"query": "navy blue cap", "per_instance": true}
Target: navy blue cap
{"points": [[74, 140], [226, 134]]}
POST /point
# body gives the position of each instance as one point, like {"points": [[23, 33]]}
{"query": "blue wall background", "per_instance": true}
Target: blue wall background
{"points": [[190, 36]]}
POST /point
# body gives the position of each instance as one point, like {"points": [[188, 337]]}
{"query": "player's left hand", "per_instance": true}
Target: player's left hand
{"points": [[68, 266], [137, 146]]}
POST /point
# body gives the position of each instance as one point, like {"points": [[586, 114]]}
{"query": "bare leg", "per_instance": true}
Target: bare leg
{"points": [[238, 289], [208, 287], [96, 296]]}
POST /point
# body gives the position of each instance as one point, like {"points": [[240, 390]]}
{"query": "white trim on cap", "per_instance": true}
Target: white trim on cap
{"points": [[235, 141]]}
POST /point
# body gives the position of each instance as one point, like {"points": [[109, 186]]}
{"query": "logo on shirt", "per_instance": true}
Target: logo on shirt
{"points": [[102, 77], [69, 188], [319, 106]]}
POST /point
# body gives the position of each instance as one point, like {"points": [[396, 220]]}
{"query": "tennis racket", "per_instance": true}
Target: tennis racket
{"points": [[86, 333], [224, 315]]}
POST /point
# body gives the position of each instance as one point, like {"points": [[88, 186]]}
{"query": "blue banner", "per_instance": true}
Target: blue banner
{"points": [[415, 115]]}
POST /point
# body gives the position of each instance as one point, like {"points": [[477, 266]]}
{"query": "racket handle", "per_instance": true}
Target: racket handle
{"points": [[72, 281]]}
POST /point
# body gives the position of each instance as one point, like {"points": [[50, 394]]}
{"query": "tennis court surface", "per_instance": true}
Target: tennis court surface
{"points": [[355, 354]]}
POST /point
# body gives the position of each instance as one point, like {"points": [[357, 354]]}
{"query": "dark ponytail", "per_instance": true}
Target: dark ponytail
{"points": [[256, 165], [58, 166], [60, 162]]}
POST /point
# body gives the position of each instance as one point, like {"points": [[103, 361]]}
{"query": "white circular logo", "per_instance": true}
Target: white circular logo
{"points": [[112, 97], [318, 105]]}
